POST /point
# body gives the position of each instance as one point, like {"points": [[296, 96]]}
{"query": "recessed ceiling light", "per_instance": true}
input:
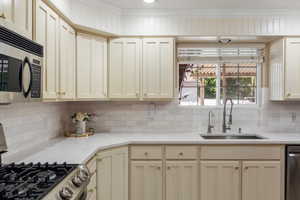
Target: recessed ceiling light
{"points": [[149, 1]]}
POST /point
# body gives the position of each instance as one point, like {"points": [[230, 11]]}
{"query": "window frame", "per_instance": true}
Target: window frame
{"points": [[218, 88]]}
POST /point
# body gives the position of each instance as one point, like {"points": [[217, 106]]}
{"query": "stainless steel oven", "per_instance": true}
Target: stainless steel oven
{"points": [[293, 173], [21, 62]]}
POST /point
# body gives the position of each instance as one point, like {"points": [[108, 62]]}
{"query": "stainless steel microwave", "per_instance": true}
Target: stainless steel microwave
{"points": [[21, 62]]}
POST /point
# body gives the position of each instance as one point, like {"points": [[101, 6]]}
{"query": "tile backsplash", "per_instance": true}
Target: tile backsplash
{"points": [[169, 117], [29, 125]]}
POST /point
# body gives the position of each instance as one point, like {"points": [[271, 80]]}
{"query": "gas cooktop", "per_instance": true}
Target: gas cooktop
{"points": [[31, 181]]}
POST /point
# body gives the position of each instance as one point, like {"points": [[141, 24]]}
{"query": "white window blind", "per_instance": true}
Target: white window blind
{"points": [[220, 54]]}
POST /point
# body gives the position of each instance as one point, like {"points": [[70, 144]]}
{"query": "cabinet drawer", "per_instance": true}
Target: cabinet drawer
{"points": [[92, 165], [146, 152], [182, 152], [241, 152]]}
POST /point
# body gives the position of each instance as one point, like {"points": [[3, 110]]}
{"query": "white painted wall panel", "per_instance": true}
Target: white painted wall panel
{"points": [[96, 15], [104, 17], [210, 25]]}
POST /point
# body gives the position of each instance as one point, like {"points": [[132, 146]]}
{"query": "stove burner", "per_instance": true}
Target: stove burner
{"points": [[31, 181]]}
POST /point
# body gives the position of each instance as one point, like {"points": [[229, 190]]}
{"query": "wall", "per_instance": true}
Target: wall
{"points": [[210, 22], [96, 15], [31, 125], [169, 117]]}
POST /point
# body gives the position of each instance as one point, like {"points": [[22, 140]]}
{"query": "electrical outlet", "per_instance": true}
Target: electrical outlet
{"points": [[294, 117]]}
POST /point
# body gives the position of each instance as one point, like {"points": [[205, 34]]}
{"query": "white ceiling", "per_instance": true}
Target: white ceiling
{"points": [[207, 4]]}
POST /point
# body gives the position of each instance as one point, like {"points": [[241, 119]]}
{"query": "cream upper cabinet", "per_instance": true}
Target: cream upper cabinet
{"points": [[182, 180], [112, 174], [146, 180], [158, 68], [47, 34], [261, 180], [91, 67], [67, 39], [220, 180], [124, 69], [16, 15], [285, 69], [292, 68]]}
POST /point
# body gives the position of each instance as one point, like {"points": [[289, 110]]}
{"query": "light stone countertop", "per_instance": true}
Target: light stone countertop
{"points": [[80, 150]]}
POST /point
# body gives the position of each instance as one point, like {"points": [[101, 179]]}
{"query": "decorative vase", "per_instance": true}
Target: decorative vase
{"points": [[80, 127]]}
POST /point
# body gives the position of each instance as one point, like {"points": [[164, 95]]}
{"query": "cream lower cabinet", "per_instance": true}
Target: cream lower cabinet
{"points": [[112, 174], [92, 186], [220, 180], [146, 180], [16, 15], [124, 69], [261, 180], [91, 67], [158, 68], [182, 179]]}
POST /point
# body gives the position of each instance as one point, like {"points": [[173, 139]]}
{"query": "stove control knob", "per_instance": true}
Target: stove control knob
{"points": [[65, 193], [77, 181], [83, 174]]}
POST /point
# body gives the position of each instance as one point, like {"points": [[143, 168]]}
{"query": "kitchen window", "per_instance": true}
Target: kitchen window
{"points": [[207, 81]]}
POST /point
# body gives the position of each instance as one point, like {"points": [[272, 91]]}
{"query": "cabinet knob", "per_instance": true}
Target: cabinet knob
{"points": [[246, 168], [158, 168], [3, 16], [169, 168], [288, 94], [181, 153], [146, 153], [236, 168]]}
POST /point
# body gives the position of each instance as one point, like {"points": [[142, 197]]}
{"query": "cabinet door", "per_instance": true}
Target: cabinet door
{"points": [[182, 180], [124, 68], [23, 17], [91, 67], [7, 13], [112, 175], [146, 180], [158, 68], [17, 16], [292, 68], [84, 66], [99, 68], [220, 180], [67, 62], [261, 180], [47, 24]]}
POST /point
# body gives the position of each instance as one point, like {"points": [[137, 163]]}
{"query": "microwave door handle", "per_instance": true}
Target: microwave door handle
{"points": [[26, 93], [21, 77]]}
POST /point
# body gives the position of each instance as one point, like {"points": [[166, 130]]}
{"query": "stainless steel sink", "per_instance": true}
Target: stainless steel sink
{"points": [[232, 137]]}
